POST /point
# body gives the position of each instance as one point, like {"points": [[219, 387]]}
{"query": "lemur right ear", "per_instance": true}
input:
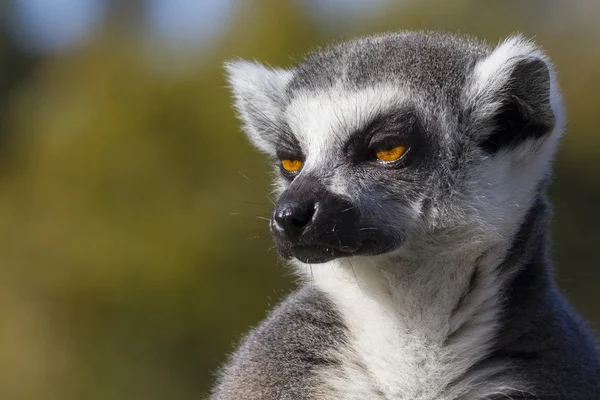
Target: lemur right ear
{"points": [[512, 96], [259, 96]]}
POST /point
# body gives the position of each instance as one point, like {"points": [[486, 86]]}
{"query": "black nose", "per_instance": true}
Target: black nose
{"points": [[293, 219]]}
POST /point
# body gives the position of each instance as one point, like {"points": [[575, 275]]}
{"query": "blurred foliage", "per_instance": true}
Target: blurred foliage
{"points": [[133, 250]]}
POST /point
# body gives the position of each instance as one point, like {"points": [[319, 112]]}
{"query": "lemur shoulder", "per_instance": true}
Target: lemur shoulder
{"points": [[411, 173]]}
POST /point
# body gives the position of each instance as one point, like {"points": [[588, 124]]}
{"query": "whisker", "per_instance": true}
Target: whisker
{"points": [[268, 122], [254, 202], [354, 272], [239, 215], [333, 270], [242, 174], [253, 237]]}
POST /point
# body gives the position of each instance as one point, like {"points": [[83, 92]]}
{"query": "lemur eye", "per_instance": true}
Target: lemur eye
{"points": [[292, 165], [392, 154]]}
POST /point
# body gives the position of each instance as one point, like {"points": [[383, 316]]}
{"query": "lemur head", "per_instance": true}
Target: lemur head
{"points": [[401, 138]]}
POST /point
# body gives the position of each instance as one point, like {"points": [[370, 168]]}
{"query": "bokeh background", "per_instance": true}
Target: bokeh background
{"points": [[133, 249]]}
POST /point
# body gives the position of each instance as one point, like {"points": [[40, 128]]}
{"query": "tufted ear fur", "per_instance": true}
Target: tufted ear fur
{"points": [[259, 97], [512, 96]]}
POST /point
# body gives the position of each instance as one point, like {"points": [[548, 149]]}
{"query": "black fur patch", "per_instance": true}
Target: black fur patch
{"points": [[526, 112], [540, 339]]}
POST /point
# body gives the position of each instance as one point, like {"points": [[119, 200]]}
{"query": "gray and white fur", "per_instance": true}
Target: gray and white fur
{"points": [[426, 277]]}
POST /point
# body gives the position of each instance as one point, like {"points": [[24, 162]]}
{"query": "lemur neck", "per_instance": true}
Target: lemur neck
{"points": [[430, 319], [438, 295]]}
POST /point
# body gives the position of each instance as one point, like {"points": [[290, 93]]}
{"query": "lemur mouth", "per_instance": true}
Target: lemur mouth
{"points": [[317, 254], [313, 253]]}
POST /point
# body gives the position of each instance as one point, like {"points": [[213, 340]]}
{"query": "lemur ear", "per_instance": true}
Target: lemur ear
{"points": [[513, 96], [259, 97]]}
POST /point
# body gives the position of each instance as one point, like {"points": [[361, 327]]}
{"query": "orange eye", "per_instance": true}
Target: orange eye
{"points": [[390, 155], [292, 165]]}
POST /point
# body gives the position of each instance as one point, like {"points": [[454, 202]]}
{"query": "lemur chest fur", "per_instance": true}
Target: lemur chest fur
{"points": [[411, 336]]}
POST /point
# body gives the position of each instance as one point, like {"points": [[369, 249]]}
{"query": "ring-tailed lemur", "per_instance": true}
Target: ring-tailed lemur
{"points": [[411, 171]]}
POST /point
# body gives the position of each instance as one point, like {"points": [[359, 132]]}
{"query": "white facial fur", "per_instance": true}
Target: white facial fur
{"points": [[323, 122]]}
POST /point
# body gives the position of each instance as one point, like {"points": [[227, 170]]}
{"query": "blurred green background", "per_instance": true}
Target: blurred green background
{"points": [[133, 255]]}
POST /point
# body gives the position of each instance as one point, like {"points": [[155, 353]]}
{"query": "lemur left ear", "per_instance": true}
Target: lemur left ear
{"points": [[512, 95], [259, 94]]}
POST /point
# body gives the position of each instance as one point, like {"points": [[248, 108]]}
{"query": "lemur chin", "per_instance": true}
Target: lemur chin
{"points": [[411, 171]]}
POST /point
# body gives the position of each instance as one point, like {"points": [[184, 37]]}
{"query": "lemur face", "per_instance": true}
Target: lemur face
{"points": [[346, 193], [352, 181], [399, 138]]}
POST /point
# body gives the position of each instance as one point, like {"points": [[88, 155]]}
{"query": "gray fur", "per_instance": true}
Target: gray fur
{"points": [[432, 63], [278, 360], [435, 282]]}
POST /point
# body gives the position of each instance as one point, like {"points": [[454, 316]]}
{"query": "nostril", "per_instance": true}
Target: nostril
{"points": [[302, 221], [293, 219]]}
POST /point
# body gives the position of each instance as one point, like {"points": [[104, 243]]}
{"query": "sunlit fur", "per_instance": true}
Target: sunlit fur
{"points": [[425, 320]]}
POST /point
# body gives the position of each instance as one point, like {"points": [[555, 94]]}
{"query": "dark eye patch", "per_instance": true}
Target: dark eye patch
{"points": [[287, 147], [394, 128]]}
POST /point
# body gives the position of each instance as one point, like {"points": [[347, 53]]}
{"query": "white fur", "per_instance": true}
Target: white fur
{"points": [[505, 186], [400, 321], [323, 121]]}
